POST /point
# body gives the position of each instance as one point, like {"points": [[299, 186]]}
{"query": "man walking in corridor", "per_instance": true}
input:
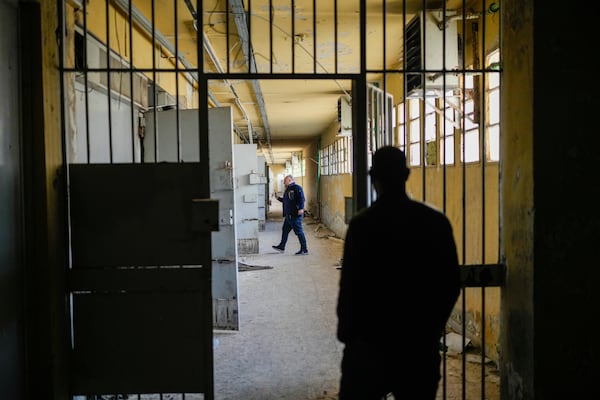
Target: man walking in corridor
{"points": [[293, 213]]}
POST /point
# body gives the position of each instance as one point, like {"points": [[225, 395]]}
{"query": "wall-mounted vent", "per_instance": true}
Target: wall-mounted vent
{"points": [[431, 54]]}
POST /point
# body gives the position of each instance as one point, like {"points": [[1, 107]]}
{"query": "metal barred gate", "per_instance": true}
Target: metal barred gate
{"points": [[420, 75]]}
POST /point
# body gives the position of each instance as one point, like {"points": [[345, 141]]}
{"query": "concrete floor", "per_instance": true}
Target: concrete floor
{"points": [[286, 346]]}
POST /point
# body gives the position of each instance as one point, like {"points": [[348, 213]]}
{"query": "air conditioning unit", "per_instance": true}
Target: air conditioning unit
{"points": [[164, 99], [344, 117], [428, 62]]}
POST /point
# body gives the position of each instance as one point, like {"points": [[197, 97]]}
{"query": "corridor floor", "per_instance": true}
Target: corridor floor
{"points": [[286, 346]]}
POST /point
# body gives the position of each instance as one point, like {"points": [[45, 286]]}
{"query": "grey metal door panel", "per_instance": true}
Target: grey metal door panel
{"points": [[224, 248], [139, 214], [119, 147], [162, 144], [141, 338], [140, 278]]}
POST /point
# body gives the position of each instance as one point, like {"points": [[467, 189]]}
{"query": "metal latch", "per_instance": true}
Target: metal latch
{"points": [[205, 215]]}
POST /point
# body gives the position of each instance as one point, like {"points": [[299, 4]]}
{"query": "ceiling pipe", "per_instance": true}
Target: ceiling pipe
{"points": [[443, 24], [492, 9], [239, 17]]}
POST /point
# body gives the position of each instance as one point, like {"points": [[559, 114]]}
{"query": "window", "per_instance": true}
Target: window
{"points": [[333, 158], [325, 161], [470, 136], [336, 157], [401, 127], [430, 133], [493, 111], [344, 155], [414, 131], [447, 136], [379, 116], [297, 166]]}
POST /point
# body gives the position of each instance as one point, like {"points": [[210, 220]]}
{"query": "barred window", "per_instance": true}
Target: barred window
{"points": [[336, 158]]}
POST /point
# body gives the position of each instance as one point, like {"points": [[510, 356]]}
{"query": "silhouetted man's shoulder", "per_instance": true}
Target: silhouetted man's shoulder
{"points": [[426, 208], [393, 210], [363, 218]]}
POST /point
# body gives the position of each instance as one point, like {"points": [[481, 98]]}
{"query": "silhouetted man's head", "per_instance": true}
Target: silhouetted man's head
{"points": [[389, 168]]}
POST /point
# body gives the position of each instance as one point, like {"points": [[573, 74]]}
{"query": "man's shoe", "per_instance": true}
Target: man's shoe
{"points": [[302, 252], [278, 248]]}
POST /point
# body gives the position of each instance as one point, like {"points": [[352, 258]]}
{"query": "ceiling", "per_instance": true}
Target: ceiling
{"points": [[280, 114]]}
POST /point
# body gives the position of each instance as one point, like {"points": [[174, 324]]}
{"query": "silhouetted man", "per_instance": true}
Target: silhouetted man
{"points": [[399, 283]]}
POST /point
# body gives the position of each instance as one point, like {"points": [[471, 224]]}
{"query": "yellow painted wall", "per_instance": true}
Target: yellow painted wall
{"points": [[462, 187], [309, 180], [333, 191], [278, 169]]}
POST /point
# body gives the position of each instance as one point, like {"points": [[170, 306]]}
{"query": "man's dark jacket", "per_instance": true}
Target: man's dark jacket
{"points": [[400, 275]]}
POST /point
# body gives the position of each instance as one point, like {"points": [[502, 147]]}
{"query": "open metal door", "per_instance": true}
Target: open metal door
{"points": [[224, 245], [140, 279], [164, 125]]}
